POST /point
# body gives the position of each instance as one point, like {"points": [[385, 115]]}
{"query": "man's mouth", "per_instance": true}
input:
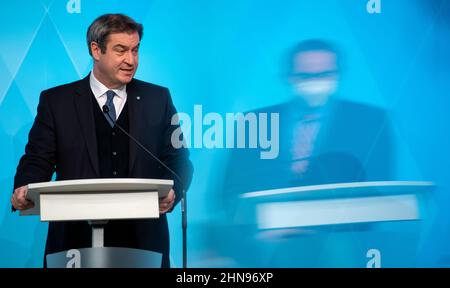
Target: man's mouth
{"points": [[127, 70]]}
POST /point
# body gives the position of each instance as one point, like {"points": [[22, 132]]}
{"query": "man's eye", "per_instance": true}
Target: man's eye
{"points": [[119, 50]]}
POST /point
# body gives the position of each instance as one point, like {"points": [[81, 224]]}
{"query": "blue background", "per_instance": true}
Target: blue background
{"points": [[230, 56]]}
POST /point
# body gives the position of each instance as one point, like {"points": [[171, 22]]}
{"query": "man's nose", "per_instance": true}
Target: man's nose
{"points": [[129, 59]]}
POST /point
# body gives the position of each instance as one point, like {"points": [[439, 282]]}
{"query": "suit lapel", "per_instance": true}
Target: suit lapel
{"points": [[85, 112], [134, 114]]}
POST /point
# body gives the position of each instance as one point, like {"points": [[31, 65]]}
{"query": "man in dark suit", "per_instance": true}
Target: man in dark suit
{"points": [[323, 140], [74, 138]]}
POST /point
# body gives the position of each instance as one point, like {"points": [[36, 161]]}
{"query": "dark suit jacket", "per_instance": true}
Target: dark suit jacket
{"points": [[63, 140]]}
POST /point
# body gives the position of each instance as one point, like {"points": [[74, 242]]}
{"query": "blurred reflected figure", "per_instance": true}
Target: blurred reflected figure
{"points": [[323, 139]]}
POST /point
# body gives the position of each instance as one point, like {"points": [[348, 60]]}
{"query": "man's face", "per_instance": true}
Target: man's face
{"points": [[314, 76], [117, 66]]}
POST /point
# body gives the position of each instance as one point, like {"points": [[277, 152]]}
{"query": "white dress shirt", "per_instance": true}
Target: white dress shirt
{"points": [[100, 90]]}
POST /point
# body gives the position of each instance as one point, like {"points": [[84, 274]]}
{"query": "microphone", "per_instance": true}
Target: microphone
{"points": [[105, 109]]}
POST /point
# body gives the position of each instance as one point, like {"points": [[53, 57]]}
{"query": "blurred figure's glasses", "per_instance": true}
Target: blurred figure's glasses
{"points": [[307, 76]]}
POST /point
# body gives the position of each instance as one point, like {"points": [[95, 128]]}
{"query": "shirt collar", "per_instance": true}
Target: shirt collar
{"points": [[99, 89]]}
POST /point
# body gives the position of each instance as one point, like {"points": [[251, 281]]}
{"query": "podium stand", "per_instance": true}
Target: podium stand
{"points": [[334, 204], [98, 201]]}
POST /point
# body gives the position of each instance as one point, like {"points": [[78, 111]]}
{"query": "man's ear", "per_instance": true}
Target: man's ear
{"points": [[95, 51]]}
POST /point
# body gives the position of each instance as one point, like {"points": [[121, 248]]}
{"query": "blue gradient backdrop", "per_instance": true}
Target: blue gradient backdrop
{"points": [[228, 56]]}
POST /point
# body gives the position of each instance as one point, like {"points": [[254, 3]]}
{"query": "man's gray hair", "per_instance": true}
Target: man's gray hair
{"points": [[107, 24]]}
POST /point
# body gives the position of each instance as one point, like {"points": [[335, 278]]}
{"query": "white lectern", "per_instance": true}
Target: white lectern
{"points": [[98, 201], [335, 204]]}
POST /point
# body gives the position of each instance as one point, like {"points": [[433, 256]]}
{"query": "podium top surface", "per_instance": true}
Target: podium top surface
{"points": [[101, 184], [341, 190]]}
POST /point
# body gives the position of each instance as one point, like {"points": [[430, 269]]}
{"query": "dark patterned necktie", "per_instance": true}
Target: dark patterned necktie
{"points": [[112, 110]]}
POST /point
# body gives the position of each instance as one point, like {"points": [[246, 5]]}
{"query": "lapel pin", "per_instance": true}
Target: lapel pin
{"points": [[138, 97]]}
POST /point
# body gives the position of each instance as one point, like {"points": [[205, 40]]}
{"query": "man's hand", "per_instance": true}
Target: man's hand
{"points": [[166, 203], [19, 200]]}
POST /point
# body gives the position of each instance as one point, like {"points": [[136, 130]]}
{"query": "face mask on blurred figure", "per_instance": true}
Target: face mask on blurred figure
{"points": [[316, 92]]}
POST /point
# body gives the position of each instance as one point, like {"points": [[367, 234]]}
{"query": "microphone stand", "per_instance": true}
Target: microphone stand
{"points": [[183, 199]]}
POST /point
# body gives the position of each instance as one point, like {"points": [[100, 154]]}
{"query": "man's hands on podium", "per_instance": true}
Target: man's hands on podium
{"points": [[166, 203], [19, 200]]}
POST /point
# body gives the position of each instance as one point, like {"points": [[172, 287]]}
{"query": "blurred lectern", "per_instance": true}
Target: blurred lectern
{"points": [[335, 204], [98, 201]]}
